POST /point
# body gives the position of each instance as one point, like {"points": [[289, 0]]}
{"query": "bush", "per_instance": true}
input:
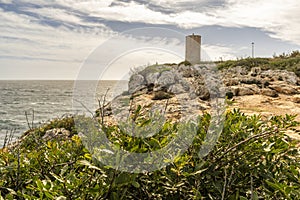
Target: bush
{"points": [[252, 159], [290, 62], [248, 63], [185, 63]]}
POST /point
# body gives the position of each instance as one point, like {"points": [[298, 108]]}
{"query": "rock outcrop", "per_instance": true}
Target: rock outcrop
{"points": [[180, 90]]}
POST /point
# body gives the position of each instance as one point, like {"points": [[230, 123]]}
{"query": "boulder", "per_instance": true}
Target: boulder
{"points": [[235, 71], [284, 89], [242, 90], [296, 99], [176, 89], [184, 84], [268, 92], [56, 133], [290, 77], [166, 78], [137, 82], [251, 81], [202, 92], [151, 78], [186, 71], [255, 71], [281, 75], [231, 81], [160, 95]]}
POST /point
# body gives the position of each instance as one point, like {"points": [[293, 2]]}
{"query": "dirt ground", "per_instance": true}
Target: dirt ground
{"points": [[268, 106]]}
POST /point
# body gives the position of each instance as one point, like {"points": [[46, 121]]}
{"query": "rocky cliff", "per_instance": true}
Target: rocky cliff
{"points": [[180, 90]]}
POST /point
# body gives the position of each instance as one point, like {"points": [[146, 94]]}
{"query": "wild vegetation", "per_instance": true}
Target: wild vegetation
{"points": [[285, 61], [253, 159]]}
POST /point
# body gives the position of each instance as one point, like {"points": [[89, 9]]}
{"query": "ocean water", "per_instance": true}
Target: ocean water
{"points": [[48, 100]]}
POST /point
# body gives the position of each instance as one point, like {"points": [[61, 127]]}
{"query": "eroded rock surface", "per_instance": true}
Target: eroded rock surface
{"points": [[186, 90]]}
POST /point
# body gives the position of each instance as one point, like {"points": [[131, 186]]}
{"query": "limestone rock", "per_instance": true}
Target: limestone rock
{"points": [[159, 95], [56, 133], [281, 75], [231, 81], [284, 89], [136, 83], [187, 71], [255, 71], [251, 81], [176, 89], [202, 92], [166, 78], [151, 78], [268, 92], [242, 91], [296, 99]]}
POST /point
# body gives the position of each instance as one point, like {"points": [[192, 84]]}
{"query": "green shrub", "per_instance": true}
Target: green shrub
{"points": [[186, 63], [252, 159], [290, 62], [155, 68], [248, 63]]}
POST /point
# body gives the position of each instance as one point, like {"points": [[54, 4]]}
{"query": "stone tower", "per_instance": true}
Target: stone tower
{"points": [[193, 48]]}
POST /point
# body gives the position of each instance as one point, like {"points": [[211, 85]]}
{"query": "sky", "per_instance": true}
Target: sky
{"points": [[97, 39]]}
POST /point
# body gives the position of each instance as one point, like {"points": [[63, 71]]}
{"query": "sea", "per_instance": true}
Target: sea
{"points": [[27, 103]]}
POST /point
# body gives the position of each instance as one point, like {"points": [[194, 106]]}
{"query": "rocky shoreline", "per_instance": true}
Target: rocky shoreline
{"points": [[187, 89], [183, 90]]}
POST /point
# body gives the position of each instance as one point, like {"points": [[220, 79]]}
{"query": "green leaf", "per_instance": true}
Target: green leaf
{"points": [[199, 171], [123, 178], [255, 196], [57, 177], [88, 156], [39, 184], [88, 164], [276, 186], [49, 195], [9, 197], [268, 148], [154, 143], [135, 184]]}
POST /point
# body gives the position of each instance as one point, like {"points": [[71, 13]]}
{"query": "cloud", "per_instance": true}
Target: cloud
{"points": [[6, 1], [280, 18], [67, 31], [276, 16], [25, 35], [268, 15]]}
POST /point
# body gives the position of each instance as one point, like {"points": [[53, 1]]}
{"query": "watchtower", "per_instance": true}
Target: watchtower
{"points": [[193, 49]]}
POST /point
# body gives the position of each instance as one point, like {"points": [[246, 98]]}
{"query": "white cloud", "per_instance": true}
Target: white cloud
{"points": [[6, 1], [61, 30], [25, 36], [57, 14], [132, 12], [276, 16]]}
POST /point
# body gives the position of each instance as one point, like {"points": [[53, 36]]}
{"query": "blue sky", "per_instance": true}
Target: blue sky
{"points": [[55, 39]]}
